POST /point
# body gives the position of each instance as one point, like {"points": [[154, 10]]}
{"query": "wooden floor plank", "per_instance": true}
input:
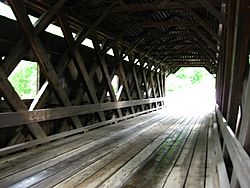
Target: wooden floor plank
{"points": [[61, 143], [92, 169], [178, 173], [196, 175], [105, 173], [143, 176], [52, 160], [164, 168], [62, 146], [82, 163], [150, 151], [135, 164]]}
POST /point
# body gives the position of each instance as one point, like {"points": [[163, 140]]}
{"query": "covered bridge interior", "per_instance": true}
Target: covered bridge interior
{"points": [[82, 130]]}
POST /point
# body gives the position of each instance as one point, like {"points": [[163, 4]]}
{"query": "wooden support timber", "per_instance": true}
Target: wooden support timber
{"points": [[41, 56], [140, 43]]}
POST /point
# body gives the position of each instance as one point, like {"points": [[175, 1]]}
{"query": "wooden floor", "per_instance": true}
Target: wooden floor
{"points": [[153, 150]]}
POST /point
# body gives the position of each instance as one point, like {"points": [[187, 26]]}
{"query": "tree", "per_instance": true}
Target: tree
{"points": [[24, 79]]}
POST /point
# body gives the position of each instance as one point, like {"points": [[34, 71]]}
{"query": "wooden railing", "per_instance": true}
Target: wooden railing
{"points": [[238, 155], [11, 119]]}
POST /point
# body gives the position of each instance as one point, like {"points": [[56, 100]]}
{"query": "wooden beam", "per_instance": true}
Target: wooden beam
{"points": [[206, 4], [201, 21], [103, 65], [145, 7], [30, 144], [159, 85], [79, 62], [138, 89], [151, 77], [132, 48], [16, 54], [145, 54], [114, 42], [41, 55], [151, 24], [12, 119], [16, 104], [144, 78], [206, 40], [122, 76], [64, 60], [229, 55], [83, 35], [220, 164], [236, 152], [238, 71]]}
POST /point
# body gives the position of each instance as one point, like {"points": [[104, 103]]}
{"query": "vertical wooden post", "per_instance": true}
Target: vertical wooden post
{"points": [[239, 64]]}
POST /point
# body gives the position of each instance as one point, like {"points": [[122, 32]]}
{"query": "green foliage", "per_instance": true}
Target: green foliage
{"points": [[24, 79], [186, 77], [197, 77]]}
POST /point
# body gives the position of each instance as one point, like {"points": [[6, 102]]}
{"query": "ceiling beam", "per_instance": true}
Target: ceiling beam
{"points": [[201, 21], [150, 24], [206, 4], [144, 7]]}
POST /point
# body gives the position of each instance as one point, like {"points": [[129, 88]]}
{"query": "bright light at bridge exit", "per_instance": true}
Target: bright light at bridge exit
{"points": [[190, 90]]}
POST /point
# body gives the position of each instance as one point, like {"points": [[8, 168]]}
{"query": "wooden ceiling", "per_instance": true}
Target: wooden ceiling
{"points": [[171, 32]]}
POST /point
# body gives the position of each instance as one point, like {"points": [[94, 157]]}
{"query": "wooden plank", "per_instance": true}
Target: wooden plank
{"points": [[220, 164], [41, 56], [110, 128], [58, 143], [146, 176], [10, 119], [104, 177], [211, 173], [196, 175], [26, 145], [72, 169], [174, 167], [46, 160], [84, 174], [236, 152]]}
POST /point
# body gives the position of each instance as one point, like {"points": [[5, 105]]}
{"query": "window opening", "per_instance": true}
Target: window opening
{"points": [[25, 79]]}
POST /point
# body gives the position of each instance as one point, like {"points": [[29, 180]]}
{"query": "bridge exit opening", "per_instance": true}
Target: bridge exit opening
{"points": [[191, 89]]}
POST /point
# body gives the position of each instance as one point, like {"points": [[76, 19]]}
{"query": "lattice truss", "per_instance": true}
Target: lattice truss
{"points": [[149, 39]]}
